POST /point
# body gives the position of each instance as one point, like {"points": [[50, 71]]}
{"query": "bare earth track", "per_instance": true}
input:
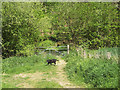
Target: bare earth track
{"points": [[62, 80]]}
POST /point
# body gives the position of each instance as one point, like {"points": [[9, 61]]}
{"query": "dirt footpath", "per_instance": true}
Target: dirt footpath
{"points": [[60, 77], [62, 80]]}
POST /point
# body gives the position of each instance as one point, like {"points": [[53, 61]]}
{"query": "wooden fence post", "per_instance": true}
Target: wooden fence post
{"points": [[90, 56], [85, 54], [77, 51], [82, 51], [96, 55], [108, 55], [68, 49]]}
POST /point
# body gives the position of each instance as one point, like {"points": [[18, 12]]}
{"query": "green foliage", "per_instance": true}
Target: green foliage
{"points": [[27, 66], [46, 43], [47, 84], [8, 85], [27, 51], [97, 73], [102, 53], [24, 64], [93, 26], [22, 26], [30, 23]]}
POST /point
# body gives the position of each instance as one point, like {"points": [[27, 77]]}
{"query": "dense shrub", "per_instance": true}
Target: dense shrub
{"points": [[28, 50], [96, 72], [47, 43]]}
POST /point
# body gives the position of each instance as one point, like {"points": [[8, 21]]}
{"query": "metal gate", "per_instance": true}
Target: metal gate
{"points": [[56, 50]]}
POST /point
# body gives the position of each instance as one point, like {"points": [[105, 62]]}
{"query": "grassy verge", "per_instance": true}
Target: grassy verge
{"points": [[10, 81], [91, 72], [47, 84], [16, 65], [28, 72]]}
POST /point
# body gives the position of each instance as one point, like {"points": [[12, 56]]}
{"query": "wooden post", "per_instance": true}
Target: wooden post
{"points": [[85, 54], [108, 55], [82, 51], [90, 56], [68, 49], [77, 51], [96, 55]]}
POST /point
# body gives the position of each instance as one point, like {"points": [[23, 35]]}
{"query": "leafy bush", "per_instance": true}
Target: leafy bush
{"points": [[46, 43], [27, 50], [101, 73]]}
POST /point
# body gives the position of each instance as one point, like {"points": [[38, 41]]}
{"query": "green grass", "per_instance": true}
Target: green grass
{"points": [[47, 84], [100, 73], [8, 81], [8, 85], [25, 65], [103, 52]]}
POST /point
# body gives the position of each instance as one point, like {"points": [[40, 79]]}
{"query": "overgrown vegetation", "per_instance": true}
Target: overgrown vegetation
{"points": [[103, 53], [25, 64], [98, 73], [26, 25]]}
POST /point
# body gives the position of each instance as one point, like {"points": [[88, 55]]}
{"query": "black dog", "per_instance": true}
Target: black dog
{"points": [[50, 61]]}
